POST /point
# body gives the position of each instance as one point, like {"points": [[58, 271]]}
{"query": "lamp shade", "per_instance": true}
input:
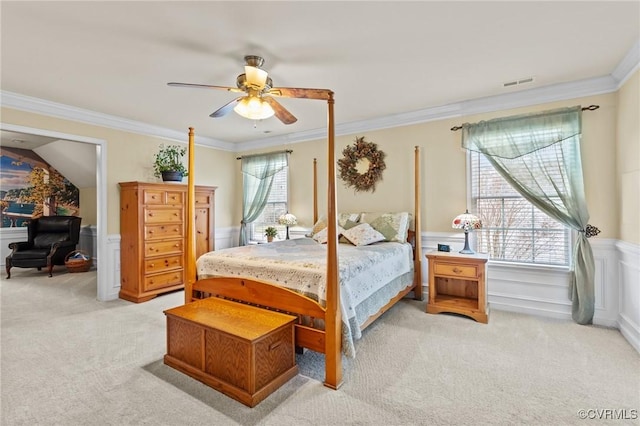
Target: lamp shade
{"points": [[254, 108], [466, 221], [287, 219]]}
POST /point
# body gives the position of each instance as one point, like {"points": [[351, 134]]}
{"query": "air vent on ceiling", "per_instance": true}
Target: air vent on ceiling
{"points": [[518, 82]]}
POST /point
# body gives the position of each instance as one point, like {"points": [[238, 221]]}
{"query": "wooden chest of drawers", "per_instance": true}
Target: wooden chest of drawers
{"points": [[153, 236], [240, 350]]}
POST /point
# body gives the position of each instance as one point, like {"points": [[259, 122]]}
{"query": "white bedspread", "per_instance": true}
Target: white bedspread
{"points": [[369, 275]]}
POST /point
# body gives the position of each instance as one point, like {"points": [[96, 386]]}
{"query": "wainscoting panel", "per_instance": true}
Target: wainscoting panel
{"points": [[9, 235], [629, 298], [112, 284], [545, 290]]}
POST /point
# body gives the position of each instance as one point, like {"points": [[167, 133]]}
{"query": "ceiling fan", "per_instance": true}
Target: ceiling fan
{"points": [[258, 102]]}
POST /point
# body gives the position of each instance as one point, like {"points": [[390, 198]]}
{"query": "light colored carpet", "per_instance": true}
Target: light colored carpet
{"points": [[67, 359]]}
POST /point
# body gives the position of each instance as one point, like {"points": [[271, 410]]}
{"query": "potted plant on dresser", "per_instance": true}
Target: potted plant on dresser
{"points": [[167, 163], [270, 232]]}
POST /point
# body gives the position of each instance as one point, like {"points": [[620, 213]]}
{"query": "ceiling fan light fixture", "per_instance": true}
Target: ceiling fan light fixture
{"points": [[255, 77], [254, 108]]}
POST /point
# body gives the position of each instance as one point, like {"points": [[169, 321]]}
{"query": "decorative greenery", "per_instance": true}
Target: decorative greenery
{"points": [[270, 232], [348, 165], [169, 159]]}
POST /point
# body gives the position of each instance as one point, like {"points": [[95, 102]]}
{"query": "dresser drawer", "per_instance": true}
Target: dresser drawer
{"points": [[163, 247], [465, 271], [162, 231], [203, 199], [162, 264], [162, 215], [175, 197], [160, 197], [153, 196], [167, 279]]}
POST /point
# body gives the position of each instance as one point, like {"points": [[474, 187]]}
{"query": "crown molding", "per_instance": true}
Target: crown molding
{"points": [[534, 96], [628, 66], [67, 112]]}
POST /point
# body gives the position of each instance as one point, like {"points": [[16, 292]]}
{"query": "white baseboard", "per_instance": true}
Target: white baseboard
{"points": [[630, 331]]}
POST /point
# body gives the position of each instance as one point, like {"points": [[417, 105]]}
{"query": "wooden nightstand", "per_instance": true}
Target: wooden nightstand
{"points": [[457, 284]]}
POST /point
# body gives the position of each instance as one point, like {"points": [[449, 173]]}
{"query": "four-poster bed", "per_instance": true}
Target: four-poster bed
{"points": [[327, 340]]}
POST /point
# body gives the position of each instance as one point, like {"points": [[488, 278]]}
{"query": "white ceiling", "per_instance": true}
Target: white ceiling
{"points": [[382, 59]]}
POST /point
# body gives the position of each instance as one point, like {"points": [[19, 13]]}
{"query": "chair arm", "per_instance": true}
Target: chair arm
{"points": [[61, 248], [61, 244], [19, 246]]}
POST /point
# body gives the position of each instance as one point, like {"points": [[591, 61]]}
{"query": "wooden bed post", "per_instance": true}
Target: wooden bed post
{"points": [[190, 269], [333, 320], [417, 290], [315, 191]]}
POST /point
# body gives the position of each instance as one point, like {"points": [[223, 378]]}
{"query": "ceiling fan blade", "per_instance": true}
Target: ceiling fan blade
{"points": [[280, 112], [220, 112], [296, 92], [205, 86]]}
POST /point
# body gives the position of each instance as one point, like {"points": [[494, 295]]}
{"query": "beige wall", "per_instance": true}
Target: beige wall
{"points": [[130, 158], [88, 206], [443, 164], [628, 158]]}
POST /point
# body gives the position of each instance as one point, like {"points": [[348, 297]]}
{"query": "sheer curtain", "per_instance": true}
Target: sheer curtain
{"points": [[257, 177], [539, 155]]}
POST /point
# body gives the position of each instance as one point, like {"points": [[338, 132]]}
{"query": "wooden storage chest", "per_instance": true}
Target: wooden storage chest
{"points": [[240, 350]]}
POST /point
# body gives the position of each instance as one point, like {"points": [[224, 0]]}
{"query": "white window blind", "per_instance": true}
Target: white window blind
{"points": [[277, 205], [513, 229]]}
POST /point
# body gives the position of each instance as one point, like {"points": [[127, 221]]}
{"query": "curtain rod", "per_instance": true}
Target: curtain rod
{"points": [[288, 151], [589, 108]]}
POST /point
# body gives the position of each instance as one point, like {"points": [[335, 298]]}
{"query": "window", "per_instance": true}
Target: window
{"points": [[513, 229], [277, 205]]}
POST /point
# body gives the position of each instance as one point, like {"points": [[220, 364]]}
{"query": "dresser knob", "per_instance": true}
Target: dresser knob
{"points": [[456, 270]]}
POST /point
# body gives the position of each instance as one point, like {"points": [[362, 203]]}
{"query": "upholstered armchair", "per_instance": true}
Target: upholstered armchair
{"points": [[50, 239]]}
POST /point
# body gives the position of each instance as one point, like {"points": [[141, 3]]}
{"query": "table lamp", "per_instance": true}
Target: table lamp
{"points": [[467, 222], [287, 220]]}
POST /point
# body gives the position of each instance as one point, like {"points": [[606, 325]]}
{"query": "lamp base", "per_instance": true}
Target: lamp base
{"points": [[466, 249], [287, 233]]}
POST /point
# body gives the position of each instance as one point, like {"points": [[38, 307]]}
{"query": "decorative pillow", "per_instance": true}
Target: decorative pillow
{"points": [[319, 225], [363, 235], [343, 218], [346, 220], [394, 226], [322, 236]]}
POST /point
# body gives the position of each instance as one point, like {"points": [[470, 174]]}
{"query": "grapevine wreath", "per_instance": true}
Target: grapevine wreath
{"points": [[354, 153]]}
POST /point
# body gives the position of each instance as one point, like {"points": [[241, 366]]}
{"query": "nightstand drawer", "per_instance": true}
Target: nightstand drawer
{"points": [[465, 271]]}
